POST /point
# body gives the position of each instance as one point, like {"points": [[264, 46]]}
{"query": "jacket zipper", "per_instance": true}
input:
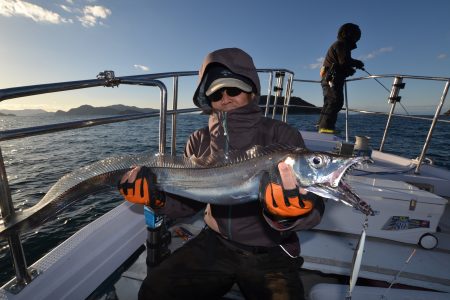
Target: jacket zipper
{"points": [[223, 117]]}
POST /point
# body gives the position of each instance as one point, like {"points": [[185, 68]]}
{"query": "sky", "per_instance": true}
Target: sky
{"points": [[45, 41]]}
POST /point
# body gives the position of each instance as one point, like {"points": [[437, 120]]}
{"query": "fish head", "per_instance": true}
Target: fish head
{"points": [[324, 174], [321, 168]]}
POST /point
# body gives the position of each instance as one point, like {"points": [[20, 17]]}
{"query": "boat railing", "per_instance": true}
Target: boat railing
{"points": [[393, 99], [24, 275], [106, 78]]}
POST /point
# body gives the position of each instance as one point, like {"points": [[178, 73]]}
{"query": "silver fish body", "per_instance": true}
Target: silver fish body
{"points": [[217, 180]]}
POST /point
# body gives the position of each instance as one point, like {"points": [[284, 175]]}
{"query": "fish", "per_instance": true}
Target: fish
{"points": [[219, 179]]}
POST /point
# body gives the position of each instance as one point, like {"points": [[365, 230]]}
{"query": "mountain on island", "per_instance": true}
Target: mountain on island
{"points": [[24, 112], [7, 115], [118, 109], [297, 105]]}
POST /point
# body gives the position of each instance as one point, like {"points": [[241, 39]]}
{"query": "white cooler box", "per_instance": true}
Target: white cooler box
{"points": [[403, 213]]}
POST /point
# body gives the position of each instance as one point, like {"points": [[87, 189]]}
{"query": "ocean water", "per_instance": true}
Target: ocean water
{"points": [[34, 164]]}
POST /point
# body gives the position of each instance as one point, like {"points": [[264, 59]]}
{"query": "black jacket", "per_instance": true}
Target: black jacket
{"points": [[339, 54], [247, 128]]}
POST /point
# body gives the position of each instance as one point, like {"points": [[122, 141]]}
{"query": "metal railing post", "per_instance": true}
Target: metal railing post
{"points": [[393, 99], [346, 111], [269, 94], [287, 97], [173, 149], [163, 105], [15, 245], [162, 119], [6, 205], [433, 124], [278, 91]]}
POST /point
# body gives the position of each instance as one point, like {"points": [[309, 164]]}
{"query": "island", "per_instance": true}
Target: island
{"points": [[118, 109], [296, 105], [7, 115]]}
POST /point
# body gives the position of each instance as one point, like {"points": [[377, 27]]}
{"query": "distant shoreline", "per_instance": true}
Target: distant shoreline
{"points": [[299, 106]]}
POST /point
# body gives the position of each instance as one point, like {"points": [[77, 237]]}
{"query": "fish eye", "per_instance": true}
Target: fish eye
{"points": [[318, 161]]}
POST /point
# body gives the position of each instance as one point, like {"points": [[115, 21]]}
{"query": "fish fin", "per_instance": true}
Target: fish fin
{"points": [[238, 156], [198, 161]]}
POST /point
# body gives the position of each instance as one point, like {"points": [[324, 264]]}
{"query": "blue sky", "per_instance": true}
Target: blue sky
{"points": [[66, 40]]}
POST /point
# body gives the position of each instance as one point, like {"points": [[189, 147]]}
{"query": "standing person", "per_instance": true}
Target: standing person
{"points": [[239, 243], [338, 65]]}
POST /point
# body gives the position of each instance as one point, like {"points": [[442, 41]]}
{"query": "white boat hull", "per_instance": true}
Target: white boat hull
{"points": [[80, 264], [338, 292]]}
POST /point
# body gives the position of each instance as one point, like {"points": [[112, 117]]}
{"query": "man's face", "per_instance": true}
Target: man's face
{"points": [[227, 102]]}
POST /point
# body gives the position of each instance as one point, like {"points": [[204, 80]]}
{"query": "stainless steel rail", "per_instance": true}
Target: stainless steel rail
{"points": [[51, 128], [23, 275], [433, 125], [18, 92], [393, 99]]}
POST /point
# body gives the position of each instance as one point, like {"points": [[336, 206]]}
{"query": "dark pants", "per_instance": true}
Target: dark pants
{"points": [[333, 100], [206, 267]]}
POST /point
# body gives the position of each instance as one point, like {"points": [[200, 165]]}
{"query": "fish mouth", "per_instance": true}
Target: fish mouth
{"points": [[339, 190], [338, 176], [351, 198]]}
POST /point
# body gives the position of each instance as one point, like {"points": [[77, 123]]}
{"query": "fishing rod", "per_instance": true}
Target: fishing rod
{"points": [[377, 80], [384, 87]]}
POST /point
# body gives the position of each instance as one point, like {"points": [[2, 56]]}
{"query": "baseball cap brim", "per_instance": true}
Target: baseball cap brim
{"points": [[227, 82]]}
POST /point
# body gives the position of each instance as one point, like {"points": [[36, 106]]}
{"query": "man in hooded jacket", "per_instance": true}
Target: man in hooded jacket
{"points": [[337, 66], [252, 244]]}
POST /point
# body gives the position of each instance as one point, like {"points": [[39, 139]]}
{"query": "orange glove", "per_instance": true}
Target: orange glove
{"points": [[287, 203], [281, 202], [140, 188]]}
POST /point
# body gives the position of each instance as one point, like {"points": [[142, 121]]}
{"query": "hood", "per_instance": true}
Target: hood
{"points": [[237, 61], [350, 33]]}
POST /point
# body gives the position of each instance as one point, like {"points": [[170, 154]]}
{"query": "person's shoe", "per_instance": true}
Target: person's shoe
{"points": [[327, 131]]}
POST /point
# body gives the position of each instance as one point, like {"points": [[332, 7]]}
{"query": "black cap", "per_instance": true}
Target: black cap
{"points": [[219, 77], [235, 60]]}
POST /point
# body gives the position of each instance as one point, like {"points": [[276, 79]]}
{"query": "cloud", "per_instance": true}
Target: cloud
{"points": [[141, 67], [376, 53], [10, 8], [92, 13], [442, 56], [317, 64], [89, 16], [66, 8]]}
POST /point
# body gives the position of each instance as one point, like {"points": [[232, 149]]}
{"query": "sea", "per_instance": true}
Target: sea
{"points": [[34, 164]]}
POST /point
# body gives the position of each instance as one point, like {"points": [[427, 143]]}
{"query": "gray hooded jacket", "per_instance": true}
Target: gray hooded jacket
{"points": [[243, 223]]}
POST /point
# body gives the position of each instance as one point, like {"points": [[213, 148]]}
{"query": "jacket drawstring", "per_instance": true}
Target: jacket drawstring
{"points": [[223, 120]]}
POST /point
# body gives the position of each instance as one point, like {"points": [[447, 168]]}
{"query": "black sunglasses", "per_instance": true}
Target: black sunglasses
{"points": [[231, 91]]}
